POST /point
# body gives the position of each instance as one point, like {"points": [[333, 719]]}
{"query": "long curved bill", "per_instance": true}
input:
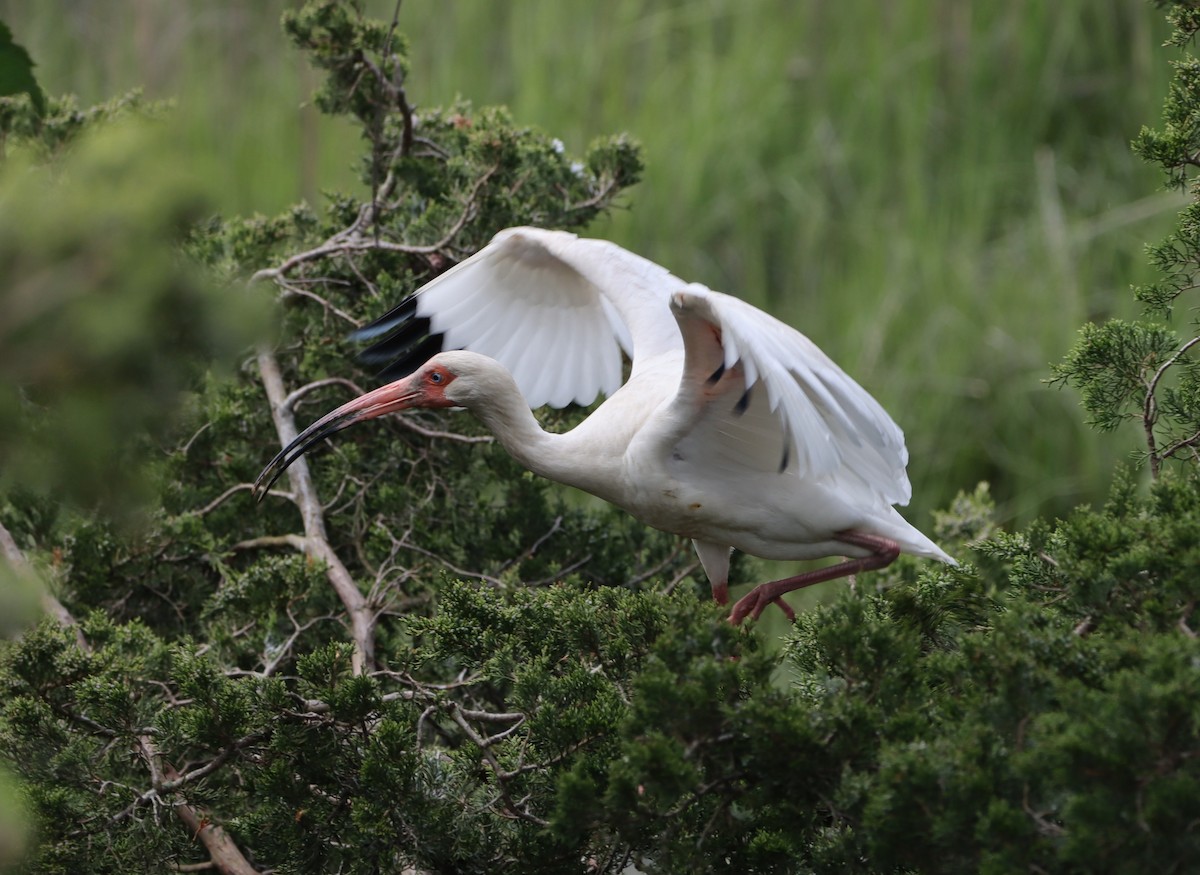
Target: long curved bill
{"points": [[399, 395]]}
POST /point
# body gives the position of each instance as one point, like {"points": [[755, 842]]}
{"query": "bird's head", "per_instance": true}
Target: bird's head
{"points": [[435, 384]]}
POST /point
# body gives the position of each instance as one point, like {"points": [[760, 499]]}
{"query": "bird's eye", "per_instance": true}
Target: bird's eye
{"points": [[435, 377]]}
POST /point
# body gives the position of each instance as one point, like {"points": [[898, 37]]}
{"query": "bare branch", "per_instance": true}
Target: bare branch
{"points": [[224, 852], [1180, 444], [51, 605], [536, 545], [406, 138], [226, 856], [412, 426], [502, 776], [350, 240], [290, 289], [1150, 412], [560, 573], [289, 403], [463, 572], [1182, 625], [176, 781], [295, 541], [220, 499], [316, 541], [188, 446]]}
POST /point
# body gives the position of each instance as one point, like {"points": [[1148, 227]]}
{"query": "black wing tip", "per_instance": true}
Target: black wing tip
{"points": [[389, 321], [398, 343], [743, 403], [411, 357], [403, 342]]}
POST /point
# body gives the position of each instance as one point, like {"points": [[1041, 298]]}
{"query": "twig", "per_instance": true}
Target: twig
{"points": [[406, 138], [187, 447], [560, 573], [174, 783], [289, 289], [350, 241], [444, 435], [1150, 412], [501, 774], [537, 545], [650, 572], [220, 499], [289, 403], [1180, 444], [284, 650], [600, 196], [477, 575]]}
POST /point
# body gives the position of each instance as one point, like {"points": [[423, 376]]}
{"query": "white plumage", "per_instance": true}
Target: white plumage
{"points": [[733, 428]]}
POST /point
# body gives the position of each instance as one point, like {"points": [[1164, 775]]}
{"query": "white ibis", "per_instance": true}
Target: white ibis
{"points": [[733, 429]]}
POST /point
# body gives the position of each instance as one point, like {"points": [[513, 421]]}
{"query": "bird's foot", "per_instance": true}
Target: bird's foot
{"points": [[753, 603]]}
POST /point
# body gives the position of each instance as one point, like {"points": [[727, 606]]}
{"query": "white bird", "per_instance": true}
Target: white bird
{"points": [[733, 429]]}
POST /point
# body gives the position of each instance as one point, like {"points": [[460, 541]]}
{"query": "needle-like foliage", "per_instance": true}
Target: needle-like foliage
{"points": [[414, 657]]}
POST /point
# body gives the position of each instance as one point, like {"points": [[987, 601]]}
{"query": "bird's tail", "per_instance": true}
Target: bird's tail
{"points": [[911, 539]]}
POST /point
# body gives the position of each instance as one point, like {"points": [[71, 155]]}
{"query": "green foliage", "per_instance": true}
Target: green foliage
{"points": [[16, 72], [102, 325], [1141, 370], [513, 680], [1111, 365]]}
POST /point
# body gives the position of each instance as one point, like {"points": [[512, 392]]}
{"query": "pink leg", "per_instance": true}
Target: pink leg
{"points": [[720, 593], [883, 552]]}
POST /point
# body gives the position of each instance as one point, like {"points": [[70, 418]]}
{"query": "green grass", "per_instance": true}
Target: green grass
{"points": [[938, 192]]}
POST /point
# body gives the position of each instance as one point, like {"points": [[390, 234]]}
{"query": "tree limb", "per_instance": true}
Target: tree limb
{"points": [[50, 604], [225, 854], [316, 541]]}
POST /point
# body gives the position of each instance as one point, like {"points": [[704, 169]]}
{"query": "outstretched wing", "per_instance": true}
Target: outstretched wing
{"points": [[554, 309], [757, 395]]}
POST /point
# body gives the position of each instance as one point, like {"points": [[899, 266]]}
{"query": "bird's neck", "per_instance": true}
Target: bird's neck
{"points": [[544, 453]]}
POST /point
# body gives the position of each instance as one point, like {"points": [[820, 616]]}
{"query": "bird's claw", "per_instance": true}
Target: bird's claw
{"points": [[753, 603]]}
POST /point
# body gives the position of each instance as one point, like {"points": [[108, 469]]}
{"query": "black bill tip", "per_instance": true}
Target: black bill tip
{"points": [[314, 434]]}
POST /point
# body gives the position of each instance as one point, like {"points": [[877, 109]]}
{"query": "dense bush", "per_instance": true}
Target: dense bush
{"points": [[414, 656]]}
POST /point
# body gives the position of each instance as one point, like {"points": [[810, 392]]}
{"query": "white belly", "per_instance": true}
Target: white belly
{"points": [[774, 516]]}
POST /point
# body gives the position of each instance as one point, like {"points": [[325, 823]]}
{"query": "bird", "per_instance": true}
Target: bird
{"points": [[732, 429]]}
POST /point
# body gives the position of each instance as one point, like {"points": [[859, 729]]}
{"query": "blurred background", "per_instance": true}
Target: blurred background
{"points": [[938, 192]]}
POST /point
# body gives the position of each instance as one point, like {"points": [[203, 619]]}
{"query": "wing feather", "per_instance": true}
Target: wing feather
{"points": [[804, 412], [558, 311], [555, 310]]}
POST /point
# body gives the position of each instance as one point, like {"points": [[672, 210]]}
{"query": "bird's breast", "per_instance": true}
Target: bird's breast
{"points": [[667, 502]]}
